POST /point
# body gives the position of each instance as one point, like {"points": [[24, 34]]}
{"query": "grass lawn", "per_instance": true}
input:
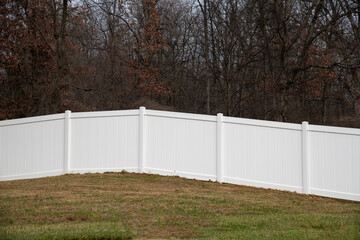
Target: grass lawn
{"points": [[141, 206]]}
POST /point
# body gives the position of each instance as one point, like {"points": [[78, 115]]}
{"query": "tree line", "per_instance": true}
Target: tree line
{"points": [[283, 60]]}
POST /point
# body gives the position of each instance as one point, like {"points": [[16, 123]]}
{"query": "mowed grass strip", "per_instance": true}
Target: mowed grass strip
{"points": [[141, 206]]}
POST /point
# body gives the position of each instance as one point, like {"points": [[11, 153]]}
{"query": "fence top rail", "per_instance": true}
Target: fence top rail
{"points": [[338, 130], [180, 115], [134, 112], [190, 116], [262, 123], [32, 119]]}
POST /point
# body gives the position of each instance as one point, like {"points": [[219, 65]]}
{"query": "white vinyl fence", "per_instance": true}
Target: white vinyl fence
{"points": [[304, 158]]}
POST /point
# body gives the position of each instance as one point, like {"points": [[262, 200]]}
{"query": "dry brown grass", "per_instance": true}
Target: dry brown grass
{"points": [[153, 206]]}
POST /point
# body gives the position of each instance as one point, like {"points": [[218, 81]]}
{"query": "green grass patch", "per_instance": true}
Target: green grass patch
{"points": [[140, 206], [110, 231]]}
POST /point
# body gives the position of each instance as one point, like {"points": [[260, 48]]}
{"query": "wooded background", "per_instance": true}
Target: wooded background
{"points": [[283, 60]]}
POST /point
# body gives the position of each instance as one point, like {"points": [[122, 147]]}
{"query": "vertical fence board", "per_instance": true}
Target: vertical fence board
{"points": [[219, 148], [305, 157], [142, 135]]}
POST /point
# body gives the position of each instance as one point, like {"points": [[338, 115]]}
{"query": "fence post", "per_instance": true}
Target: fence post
{"points": [[141, 139], [219, 148], [305, 157], [67, 140]]}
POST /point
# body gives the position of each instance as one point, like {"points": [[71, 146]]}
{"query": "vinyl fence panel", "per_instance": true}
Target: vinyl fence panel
{"points": [[335, 162], [32, 147], [104, 141], [180, 144], [262, 155]]}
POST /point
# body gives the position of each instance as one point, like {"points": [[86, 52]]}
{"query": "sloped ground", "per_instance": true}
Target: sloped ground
{"points": [[140, 206]]}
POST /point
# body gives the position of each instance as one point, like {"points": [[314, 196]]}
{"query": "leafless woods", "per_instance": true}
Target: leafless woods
{"points": [[284, 60]]}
